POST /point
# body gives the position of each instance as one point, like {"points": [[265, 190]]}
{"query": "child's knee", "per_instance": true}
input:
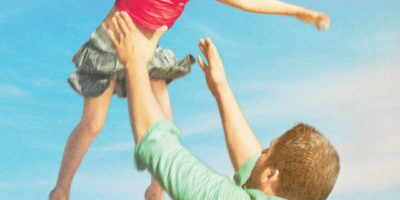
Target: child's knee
{"points": [[91, 128]]}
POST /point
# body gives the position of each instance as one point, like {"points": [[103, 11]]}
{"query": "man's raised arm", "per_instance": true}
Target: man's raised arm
{"points": [[240, 139], [135, 51]]}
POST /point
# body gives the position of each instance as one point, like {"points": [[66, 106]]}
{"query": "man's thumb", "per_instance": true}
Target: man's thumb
{"points": [[159, 32]]}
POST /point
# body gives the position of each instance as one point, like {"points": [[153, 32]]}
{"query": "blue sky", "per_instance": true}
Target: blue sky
{"points": [[345, 82]]}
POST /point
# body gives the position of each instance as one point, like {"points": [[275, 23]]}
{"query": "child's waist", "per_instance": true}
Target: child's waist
{"points": [[152, 14]]}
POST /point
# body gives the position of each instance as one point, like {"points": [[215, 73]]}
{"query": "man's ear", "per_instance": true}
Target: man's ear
{"points": [[269, 180]]}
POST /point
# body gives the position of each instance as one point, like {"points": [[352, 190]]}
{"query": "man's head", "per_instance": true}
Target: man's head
{"points": [[301, 164]]}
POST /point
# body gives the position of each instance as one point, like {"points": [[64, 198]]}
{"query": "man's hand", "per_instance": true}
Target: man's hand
{"points": [[240, 139], [317, 18], [130, 43], [215, 73]]}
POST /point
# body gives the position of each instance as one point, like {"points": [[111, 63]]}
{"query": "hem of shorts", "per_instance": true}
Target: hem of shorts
{"points": [[79, 68], [74, 88], [80, 93]]}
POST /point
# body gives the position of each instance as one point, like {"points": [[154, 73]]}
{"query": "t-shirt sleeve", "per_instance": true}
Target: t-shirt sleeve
{"points": [[244, 172], [181, 174]]}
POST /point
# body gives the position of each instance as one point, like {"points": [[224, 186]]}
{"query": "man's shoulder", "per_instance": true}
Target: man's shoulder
{"points": [[229, 190]]}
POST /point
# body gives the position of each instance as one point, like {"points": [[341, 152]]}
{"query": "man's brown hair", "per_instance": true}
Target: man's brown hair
{"points": [[308, 164]]}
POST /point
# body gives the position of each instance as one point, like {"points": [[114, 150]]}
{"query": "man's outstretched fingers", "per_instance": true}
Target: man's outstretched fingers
{"points": [[202, 42], [128, 21], [201, 63], [208, 41], [202, 49], [211, 49], [122, 24], [212, 52], [116, 26], [112, 38]]}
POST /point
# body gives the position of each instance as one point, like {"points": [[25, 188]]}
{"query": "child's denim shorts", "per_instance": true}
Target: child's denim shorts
{"points": [[97, 63]]}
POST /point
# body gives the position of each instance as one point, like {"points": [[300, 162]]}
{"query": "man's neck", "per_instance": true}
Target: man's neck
{"points": [[253, 182]]}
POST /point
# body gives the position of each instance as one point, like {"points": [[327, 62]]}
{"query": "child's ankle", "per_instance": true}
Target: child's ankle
{"points": [[58, 194]]}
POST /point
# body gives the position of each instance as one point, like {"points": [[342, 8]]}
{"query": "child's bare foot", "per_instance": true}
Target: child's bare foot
{"points": [[56, 195], [154, 193]]}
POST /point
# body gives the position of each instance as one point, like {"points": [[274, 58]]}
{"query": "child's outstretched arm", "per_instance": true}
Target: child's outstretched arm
{"points": [[276, 7]]}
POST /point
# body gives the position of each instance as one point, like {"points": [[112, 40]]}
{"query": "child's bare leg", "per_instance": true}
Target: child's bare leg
{"points": [[93, 117], [160, 91], [155, 191]]}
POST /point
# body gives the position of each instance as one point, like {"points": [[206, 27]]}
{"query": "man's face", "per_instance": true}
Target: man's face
{"points": [[262, 160], [255, 178]]}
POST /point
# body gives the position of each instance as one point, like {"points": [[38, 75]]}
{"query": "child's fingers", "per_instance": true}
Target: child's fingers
{"points": [[201, 63], [326, 23], [112, 38], [122, 24], [128, 21], [325, 26]]}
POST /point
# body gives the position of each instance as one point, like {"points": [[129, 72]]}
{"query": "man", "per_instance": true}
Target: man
{"points": [[301, 164]]}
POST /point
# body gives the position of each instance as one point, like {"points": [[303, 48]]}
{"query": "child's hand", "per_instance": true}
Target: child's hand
{"points": [[215, 73], [130, 42], [317, 18]]}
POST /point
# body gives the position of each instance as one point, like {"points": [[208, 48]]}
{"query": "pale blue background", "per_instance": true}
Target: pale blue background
{"points": [[345, 82]]}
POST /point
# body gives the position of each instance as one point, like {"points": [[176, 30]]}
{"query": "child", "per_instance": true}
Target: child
{"points": [[100, 74]]}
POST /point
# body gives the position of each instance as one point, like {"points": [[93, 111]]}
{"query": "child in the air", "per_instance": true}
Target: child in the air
{"points": [[100, 74]]}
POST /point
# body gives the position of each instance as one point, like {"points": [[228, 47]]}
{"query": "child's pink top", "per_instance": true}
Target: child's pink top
{"points": [[151, 14]]}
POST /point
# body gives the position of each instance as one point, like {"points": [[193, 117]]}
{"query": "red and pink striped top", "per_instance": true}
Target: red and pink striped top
{"points": [[151, 14]]}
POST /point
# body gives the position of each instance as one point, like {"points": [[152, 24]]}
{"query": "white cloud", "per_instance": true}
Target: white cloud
{"points": [[10, 11], [27, 183], [371, 89], [200, 123], [366, 170], [6, 185], [110, 182], [358, 110], [124, 146], [43, 82], [7, 90], [197, 26], [361, 106]]}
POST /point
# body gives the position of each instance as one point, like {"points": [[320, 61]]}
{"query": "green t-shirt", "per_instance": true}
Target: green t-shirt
{"points": [[182, 175]]}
